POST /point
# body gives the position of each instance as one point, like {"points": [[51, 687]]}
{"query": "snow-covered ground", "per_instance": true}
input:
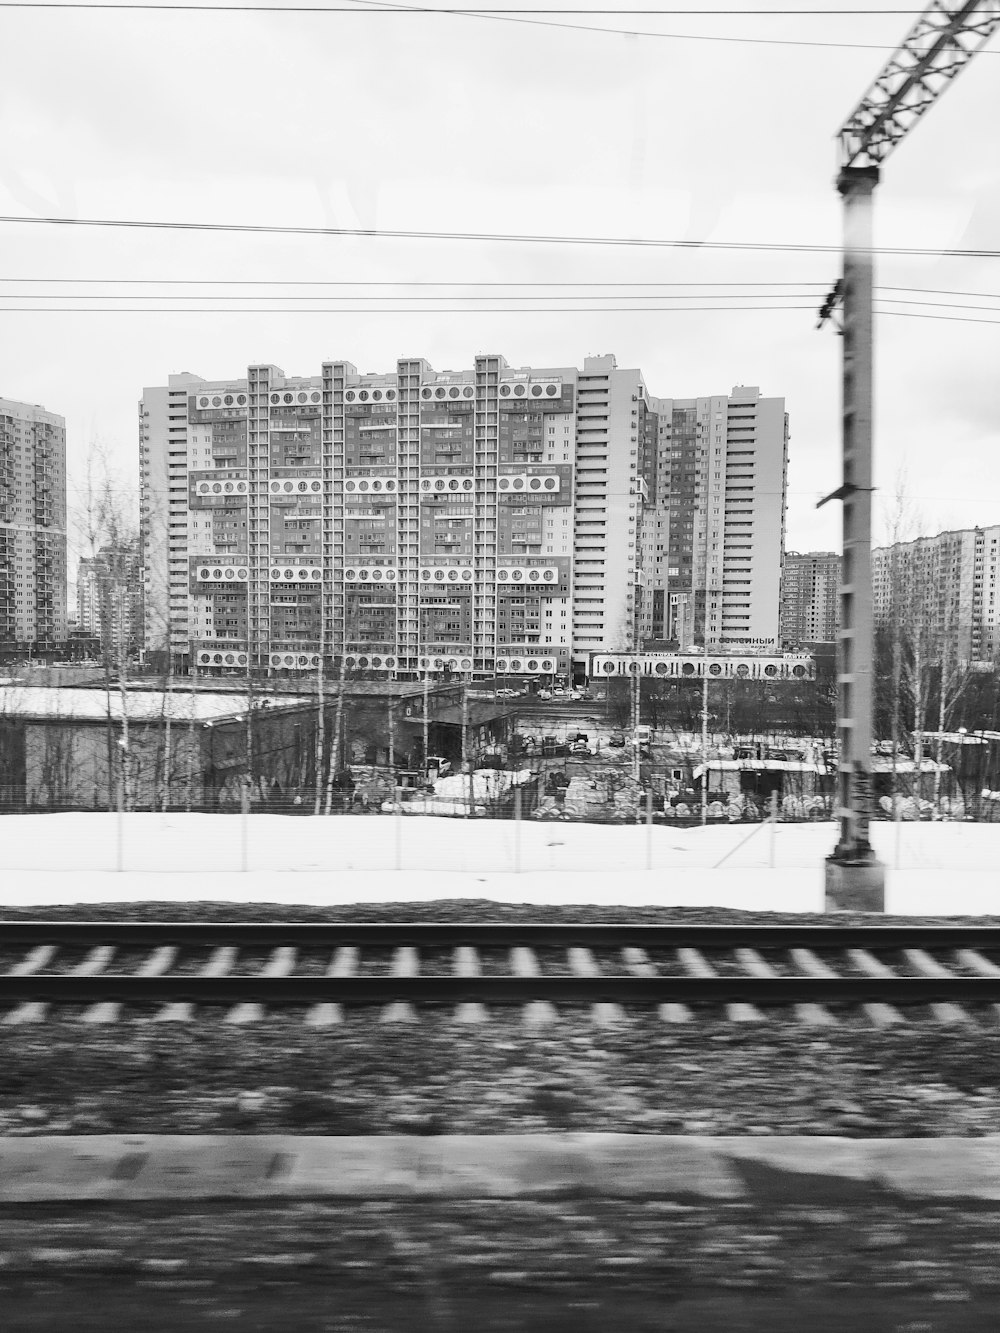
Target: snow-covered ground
{"points": [[72, 858]]}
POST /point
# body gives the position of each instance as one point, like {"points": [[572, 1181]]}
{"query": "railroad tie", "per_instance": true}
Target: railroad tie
{"points": [[30, 1011], [695, 964], [972, 959], [945, 1011], [344, 963], [405, 963], [881, 1015], [809, 1013], [466, 963], [524, 963], [583, 964], [104, 1011], [638, 963], [280, 964], [219, 964]]}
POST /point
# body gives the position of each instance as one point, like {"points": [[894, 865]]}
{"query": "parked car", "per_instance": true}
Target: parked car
{"points": [[583, 695], [508, 694], [617, 741], [544, 694]]}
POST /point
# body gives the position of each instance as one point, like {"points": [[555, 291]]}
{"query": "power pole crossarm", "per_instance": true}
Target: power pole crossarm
{"points": [[941, 43]]}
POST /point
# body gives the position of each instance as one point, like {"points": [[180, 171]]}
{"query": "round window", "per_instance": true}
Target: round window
{"points": [[202, 402], [314, 397], [363, 396], [289, 398], [518, 390], [241, 399], [275, 398], [303, 398], [228, 400], [504, 390], [552, 390], [536, 391], [454, 393], [216, 402]]}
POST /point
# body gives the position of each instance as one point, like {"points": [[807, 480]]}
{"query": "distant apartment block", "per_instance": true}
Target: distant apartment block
{"points": [[109, 598], [810, 597], [948, 583], [32, 524], [714, 523], [491, 520]]}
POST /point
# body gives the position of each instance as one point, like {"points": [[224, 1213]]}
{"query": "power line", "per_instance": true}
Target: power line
{"points": [[362, 282], [381, 310], [914, 314], [392, 8], [459, 310], [291, 296], [493, 237], [495, 16]]}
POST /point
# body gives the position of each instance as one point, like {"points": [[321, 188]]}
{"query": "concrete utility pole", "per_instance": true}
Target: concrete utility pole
{"points": [[939, 45]]}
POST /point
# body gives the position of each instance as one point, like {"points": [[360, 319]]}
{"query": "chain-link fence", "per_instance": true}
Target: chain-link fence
{"points": [[524, 830]]}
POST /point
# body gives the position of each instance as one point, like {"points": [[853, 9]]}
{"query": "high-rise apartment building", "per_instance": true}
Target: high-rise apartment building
{"points": [[810, 597], [109, 598], [946, 584], [490, 520], [715, 522], [32, 524]]}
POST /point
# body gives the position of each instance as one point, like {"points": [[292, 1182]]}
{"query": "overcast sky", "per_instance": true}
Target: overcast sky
{"points": [[409, 121]]}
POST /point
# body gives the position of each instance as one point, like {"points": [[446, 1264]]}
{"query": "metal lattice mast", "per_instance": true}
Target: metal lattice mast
{"points": [[940, 44]]}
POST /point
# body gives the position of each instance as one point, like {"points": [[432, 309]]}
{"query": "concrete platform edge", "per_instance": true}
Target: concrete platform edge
{"points": [[806, 1170]]}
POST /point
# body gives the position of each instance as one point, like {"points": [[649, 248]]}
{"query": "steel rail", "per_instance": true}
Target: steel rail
{"points": [[421, 990]]}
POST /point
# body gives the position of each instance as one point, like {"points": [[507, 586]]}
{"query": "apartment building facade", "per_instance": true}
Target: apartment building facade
{"points": [[109, 598], [485, 521], [946, 584], [810, 597], [32, 524], [717, 470]]}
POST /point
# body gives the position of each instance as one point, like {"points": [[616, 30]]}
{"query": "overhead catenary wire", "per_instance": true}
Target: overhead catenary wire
{"points": [[488, 283], [527, 238], [373, 7], [458, 310]]}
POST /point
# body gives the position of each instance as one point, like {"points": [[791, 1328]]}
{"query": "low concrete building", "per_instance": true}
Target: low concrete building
{"points": [[90, 749]]}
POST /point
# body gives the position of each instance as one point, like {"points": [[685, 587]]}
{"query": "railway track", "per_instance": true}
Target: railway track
{"points": [[106, 971]]}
